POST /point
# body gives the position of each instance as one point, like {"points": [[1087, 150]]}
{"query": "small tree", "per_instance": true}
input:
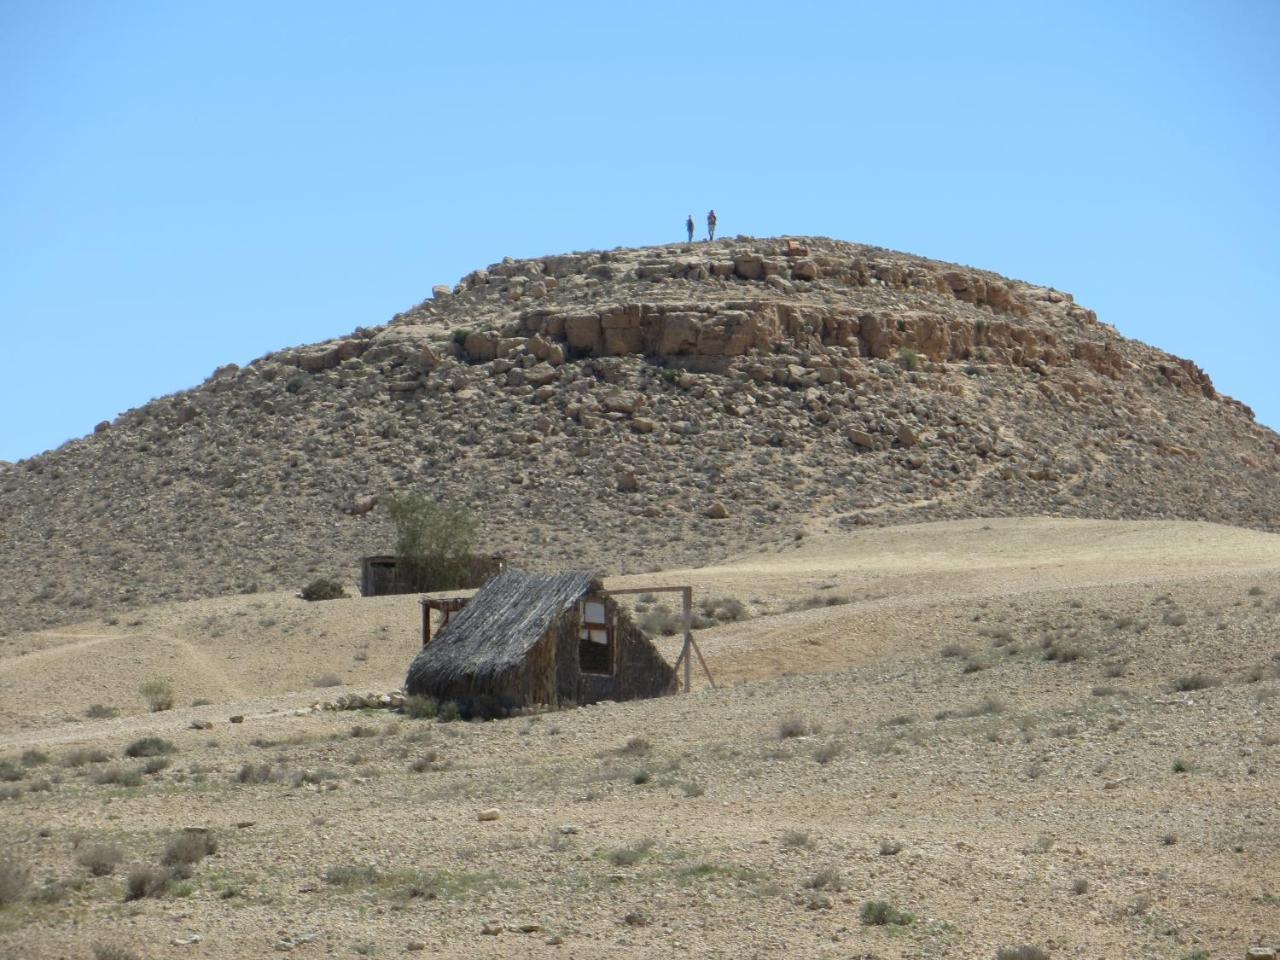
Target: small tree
{"points": [[434, 541]]}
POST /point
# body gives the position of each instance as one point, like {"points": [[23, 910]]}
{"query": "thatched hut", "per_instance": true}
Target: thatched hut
{"points": [[528, 638]]}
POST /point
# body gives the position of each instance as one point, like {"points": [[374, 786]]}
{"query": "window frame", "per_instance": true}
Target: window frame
{"points": [[585, 626]]}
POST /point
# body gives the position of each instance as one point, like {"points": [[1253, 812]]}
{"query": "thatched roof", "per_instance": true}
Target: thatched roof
{"points": [[502, 623]]}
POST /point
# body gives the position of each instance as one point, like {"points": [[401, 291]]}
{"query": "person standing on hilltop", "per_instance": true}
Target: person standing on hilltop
{"points": [[688, 225], [711, 226]]}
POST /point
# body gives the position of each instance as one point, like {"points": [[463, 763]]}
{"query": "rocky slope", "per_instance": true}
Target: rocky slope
{"points": [[631, 409]]}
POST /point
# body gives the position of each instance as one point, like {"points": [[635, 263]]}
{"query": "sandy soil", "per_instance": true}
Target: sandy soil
{"points": [[998, 698]]}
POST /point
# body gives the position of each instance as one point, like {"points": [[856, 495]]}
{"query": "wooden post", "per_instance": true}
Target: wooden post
{"points": [[687, 594]]}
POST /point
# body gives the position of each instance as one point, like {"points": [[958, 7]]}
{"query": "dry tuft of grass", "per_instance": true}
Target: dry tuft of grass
{"points": [[793, 726], [630, 856], [101, 859], [828, 878], [1194, 681]]}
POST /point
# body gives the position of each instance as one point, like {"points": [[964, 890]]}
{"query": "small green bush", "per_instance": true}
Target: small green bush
{"points": [[420, 708], [879, 913], [100, 711], [149, 747]]}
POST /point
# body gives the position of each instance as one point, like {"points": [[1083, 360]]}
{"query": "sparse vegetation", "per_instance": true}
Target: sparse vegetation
{"points": [[99, 711], [108, 951], [118, 776], [418, 707], [352, 875], [158, 695], [83, 755], [254, 773], [890, 848], [827, 752], [327, 680]]}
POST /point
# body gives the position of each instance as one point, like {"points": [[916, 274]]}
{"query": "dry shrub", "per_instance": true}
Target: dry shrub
{"points": [[101, 859], [118, 777], [189, 847], [828, 878], [792, 726], [1024, 952], [15, 878], [100, 711], [630, 856], [323, 588], [1194, 681], [147, 881], [78, 758], [149, 747], [254, 773], [158, 695]]}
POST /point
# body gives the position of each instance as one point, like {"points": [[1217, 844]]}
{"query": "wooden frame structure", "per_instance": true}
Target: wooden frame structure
{"points": [[451, 605]]}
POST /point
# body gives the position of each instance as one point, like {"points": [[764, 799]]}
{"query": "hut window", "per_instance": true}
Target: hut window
{"points": [[595, 639]]}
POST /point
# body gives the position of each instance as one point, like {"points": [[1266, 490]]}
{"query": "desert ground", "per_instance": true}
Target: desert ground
{"points": [[944, 739]]}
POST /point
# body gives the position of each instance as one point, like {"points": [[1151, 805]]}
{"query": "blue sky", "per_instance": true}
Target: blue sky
{"points": [[187, 185]]}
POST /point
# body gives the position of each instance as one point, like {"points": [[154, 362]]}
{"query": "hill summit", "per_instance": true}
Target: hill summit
{"points": [[628, 409]]}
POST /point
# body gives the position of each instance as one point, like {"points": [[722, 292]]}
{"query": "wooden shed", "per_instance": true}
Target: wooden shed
{"points": [[528, 638], [383, 574]]}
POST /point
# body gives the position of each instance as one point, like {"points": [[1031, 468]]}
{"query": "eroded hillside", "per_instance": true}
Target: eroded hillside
{"points": [[632, 409]]}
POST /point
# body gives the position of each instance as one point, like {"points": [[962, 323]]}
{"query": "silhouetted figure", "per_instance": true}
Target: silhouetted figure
{"points": [[688, 225], [711, 225]]}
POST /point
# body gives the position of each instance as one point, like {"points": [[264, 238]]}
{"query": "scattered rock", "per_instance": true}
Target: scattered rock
{"points": [[493, 813]]}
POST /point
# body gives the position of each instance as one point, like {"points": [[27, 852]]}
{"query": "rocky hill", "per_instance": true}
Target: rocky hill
{"points": [[630, 409]]}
